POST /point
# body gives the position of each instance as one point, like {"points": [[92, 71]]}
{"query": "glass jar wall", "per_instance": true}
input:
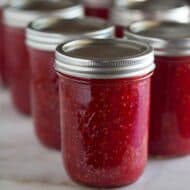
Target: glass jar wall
{"points": [[16, 19], [3, 80], [170, 120], [104, 98], [43, 35]]}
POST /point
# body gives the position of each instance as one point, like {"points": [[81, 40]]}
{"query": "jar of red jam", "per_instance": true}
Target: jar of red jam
{"points": [[97, 8], [104, 88], [16, 18], [3, 4], [43, 35], [170, 110], [170, 10]]}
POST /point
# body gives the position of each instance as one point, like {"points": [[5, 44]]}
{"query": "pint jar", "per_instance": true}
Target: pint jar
{"points": [[3, 4], [104, 88], [170, 10], [170, 110], [43, 35], [97, 8], [16, 18]]}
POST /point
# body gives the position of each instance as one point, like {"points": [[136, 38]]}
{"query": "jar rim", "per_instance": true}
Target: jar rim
{"points": [[48, 40], [164, 43], [18, 16], [105, 67]]}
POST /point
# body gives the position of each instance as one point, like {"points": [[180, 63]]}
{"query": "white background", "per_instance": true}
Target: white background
{"points": [[26, 165]]}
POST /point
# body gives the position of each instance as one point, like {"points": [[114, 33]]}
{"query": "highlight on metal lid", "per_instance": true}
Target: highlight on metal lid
{"points": [[47, 33], [167, 38], [104, 59], [170, 10], [21, 12]]}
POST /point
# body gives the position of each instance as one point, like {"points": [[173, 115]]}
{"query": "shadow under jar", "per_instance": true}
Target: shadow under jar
{"points": [[16, 19], [130, 11], [43, 36], [104, 88], [3, 5], [170, 110]]}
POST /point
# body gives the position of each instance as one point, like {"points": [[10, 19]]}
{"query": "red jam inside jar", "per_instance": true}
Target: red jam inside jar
{"points": [[48, 32], [170, 105], [3, 80], [100, 9], [97, 12], [119, 31], [104, 118], [16, 19], [18, 67], [45, 100], [1, 47], [170, 120]]}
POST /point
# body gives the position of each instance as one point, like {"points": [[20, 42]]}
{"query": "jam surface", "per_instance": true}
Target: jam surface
{"points": [[45, 100], [170, 110], [17, 68], [104, 129]]}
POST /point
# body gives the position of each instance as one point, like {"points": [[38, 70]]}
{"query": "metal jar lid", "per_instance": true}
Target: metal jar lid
{"points": [[167, 38], [47, 33], [104, 59], [170, 10], [21, 12]]}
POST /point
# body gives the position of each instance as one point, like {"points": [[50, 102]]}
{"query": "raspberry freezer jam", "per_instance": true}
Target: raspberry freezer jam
{"points": [[98, 8], [1, 48], [45, 101], [104, 121], [97, 12], [170, 120], [16, 19], [105, 129], [3, 81], [119, 31], [170, 110], [18, 68]]}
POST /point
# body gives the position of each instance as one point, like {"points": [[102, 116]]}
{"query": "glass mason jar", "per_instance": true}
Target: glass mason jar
{"points": [[104, 88], [43, 35], [170, 110], [170, 10], [3, 4], [97, 8], [16, 19]]}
